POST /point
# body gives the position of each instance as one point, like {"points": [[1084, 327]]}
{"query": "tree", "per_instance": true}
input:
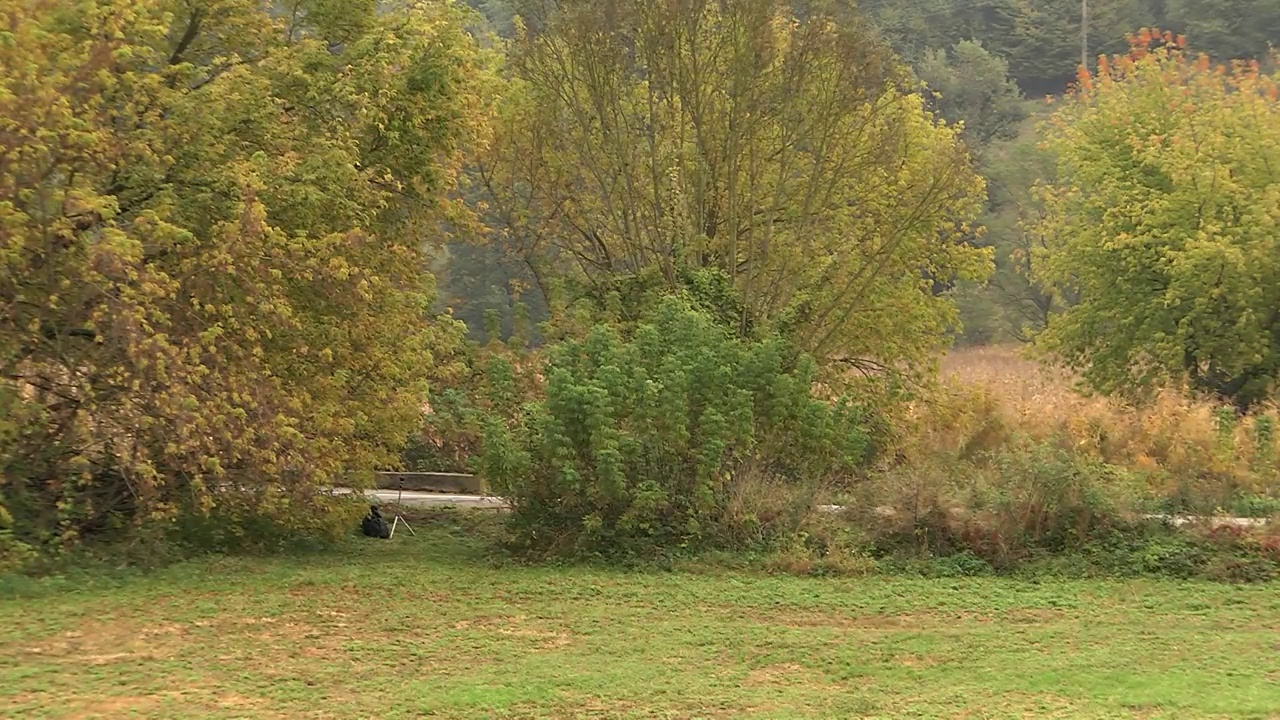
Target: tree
{"points": [[1014, 304], [917, 27], [969, 85], [500, 15], [211, 224], [1163, 219], [477, 279], [1040, 40], [645, 143], [1227, 29]]}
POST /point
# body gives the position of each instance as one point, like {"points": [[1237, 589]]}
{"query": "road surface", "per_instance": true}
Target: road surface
{"points": [[418, 498]]}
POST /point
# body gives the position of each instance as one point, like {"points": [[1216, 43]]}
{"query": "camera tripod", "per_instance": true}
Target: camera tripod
{"points": [[399, 519]]}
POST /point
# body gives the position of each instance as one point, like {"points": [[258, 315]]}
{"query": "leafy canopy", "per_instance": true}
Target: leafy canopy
{"points": [[1041, 38], [969, 85], [1164, 223], [643, 144], [212, 215]]}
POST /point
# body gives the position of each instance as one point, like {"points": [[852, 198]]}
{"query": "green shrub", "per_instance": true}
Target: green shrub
{"points": [[649, 442], [1052, 499], [322, 520], [492, 385], [449, 435], [1146, 547], [1255, 506], [1023, 499], [14, 554]]}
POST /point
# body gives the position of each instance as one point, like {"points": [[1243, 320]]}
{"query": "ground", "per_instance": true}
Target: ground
{"points": [[429, 626]]}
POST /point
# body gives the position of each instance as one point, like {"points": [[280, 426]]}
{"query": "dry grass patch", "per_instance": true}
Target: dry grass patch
{"points": [[787, 674], [517, 626], [1195, 452]]}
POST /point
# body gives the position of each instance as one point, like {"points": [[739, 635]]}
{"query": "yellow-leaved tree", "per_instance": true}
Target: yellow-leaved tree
{"points": [[769, 156], [1164, 223], [213, 293]]}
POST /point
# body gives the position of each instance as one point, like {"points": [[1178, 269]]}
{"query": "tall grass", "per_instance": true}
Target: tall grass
{"points": [[1006, 462], [1190, 454]]}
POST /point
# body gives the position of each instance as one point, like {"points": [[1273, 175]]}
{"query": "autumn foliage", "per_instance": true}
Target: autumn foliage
{"points": [[217, 220], [213, 300], [646, 145], [1163, 218]]}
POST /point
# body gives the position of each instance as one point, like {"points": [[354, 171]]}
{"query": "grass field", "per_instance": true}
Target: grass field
{"points": [[427, 626]]}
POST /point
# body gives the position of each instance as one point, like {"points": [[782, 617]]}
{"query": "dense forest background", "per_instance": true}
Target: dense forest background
{"points": [[993, 65]]}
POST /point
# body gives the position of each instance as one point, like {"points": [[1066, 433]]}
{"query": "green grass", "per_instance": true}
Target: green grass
{"points": [[427, 626]]}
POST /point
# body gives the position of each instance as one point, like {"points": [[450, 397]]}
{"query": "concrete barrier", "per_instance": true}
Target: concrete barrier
{"points": [[458, 483]]}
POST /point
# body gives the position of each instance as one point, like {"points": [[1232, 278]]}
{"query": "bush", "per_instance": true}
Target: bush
{"points": [[677, 435], [322, 520], [1004, 506], [493, 383], [1195, 455], [14, 554]]}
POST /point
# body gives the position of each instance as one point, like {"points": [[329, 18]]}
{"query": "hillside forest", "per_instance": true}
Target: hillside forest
{"points": [[665, 275]]}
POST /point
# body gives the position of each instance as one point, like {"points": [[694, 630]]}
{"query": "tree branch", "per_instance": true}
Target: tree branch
{"points": [[188, 37]]}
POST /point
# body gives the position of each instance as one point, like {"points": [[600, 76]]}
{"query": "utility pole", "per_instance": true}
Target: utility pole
{"points": [[1084, 34]]}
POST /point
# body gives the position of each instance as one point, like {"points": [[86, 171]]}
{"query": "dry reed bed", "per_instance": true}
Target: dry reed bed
{"points": [[995, 397]]}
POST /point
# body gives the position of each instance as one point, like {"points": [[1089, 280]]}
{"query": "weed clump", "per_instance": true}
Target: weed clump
{"points": [[677, 435]]}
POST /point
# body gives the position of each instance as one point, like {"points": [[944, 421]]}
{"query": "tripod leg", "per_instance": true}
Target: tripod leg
{"points": [[400, 521]]}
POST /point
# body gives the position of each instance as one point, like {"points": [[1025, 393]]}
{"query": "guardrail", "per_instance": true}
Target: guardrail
{"points": [[440, 482], [464, 489]]}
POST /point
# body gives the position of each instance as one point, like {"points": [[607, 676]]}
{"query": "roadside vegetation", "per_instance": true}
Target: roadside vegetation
{"points": [[674, 279], [735, 258]]}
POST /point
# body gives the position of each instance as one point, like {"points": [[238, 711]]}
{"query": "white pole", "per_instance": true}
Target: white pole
{"points": [[1084, 34]]}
